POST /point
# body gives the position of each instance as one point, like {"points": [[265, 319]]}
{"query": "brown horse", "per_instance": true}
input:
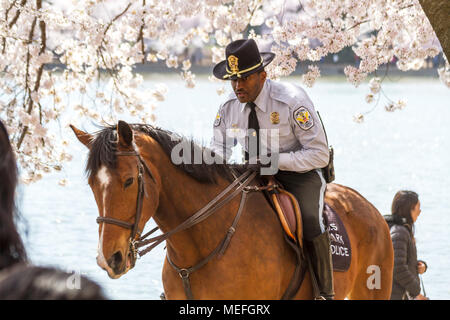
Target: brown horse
{"points": [[130, 162]]}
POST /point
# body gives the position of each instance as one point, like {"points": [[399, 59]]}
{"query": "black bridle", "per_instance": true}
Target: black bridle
{"points": [[134, 227], [239, 186]]}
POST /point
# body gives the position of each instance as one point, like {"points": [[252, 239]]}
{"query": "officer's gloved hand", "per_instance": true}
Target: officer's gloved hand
{"points": [[252, 166], [256, 164]]}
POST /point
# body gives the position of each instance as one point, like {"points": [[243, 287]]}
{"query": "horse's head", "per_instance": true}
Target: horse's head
{"points": [[126, 191]]}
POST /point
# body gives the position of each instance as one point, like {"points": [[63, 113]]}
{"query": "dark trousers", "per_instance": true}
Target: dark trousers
{"points": [[309, 189]]}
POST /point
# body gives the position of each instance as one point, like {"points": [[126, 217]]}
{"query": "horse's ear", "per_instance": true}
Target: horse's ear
{"points": [[84, 137], [125, 133]]}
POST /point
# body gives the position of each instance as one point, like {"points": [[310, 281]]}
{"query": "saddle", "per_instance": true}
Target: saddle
{"points": [[288, 211], [287, 208]]}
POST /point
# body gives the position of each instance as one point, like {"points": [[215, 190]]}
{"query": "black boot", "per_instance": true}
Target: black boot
{"points": [[319, 253]]}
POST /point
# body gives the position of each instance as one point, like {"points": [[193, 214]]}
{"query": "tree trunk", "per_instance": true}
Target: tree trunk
{"points": [[438, 12]]}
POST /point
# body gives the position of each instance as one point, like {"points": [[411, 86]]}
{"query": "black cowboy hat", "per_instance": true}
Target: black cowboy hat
{"points": [[242, 59]]}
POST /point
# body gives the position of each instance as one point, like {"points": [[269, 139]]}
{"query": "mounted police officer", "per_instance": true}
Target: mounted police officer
{"points": [[259, 107]]}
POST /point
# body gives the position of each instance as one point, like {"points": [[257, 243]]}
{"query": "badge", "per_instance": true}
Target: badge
{"points": [[303, 118], [275, 117], [233, 63], [218, 118]]}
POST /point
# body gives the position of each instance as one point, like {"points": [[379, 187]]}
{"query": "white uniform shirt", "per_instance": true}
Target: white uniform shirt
{"points": [[302, 144]]}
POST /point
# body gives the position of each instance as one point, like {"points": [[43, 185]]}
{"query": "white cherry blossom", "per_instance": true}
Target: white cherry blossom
{"points": [[80, 56]]}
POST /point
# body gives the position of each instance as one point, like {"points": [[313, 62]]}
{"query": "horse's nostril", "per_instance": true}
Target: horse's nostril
{"points": [[115, 260]]}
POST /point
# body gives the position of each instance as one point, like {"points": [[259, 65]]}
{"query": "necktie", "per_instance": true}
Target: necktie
{"points": [[253, 138]]}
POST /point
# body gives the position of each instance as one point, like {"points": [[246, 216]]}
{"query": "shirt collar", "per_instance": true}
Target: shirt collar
{"points": [[261, 99]]}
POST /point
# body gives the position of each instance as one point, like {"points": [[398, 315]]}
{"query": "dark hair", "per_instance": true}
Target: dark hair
{"points": [[12, 249], [23, 282], [402, 204]]}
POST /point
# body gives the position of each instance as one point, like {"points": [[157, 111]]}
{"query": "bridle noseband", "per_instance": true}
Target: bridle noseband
{"points": [[134, 227]]}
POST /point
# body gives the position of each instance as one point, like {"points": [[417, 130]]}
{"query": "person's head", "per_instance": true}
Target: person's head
{"points": [[406, 205], [248, 88], [11, 246], [244, 66], [23, 282]]}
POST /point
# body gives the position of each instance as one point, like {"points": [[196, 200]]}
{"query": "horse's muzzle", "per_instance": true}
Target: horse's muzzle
{"points": [[117, 263]]}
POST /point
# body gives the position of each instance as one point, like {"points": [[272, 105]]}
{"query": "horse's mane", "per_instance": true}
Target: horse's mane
{"points": [[104, 146]]}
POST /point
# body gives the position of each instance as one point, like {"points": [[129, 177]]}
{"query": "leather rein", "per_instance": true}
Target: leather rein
{"points": [[239, 185]]}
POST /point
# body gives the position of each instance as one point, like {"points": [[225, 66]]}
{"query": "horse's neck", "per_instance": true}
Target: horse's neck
{"points": [[181, 197]]}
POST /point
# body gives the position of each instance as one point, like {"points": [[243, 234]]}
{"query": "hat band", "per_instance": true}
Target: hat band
{"points": [[239, 72]]}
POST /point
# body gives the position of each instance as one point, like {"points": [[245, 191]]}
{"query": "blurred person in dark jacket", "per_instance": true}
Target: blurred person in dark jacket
{"points": [[12, 250], [26, 282], [405, 211]]}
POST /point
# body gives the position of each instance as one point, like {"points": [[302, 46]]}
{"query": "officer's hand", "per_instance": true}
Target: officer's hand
{"points": [[253, 166], [256, 164]]}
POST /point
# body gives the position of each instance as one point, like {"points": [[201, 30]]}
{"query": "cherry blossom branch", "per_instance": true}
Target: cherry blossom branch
{"points": [[88, 45], [258, 4], [141, 34], [27, 88], [357, 24], [9, 9], [113, 76], [40, 69], [14, 20], [115, 19], [16, 17]]}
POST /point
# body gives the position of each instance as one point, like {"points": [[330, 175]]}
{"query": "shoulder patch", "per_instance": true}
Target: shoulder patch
{"points": [[218, 118], [223, 106], [303, 118], [231, 96]]}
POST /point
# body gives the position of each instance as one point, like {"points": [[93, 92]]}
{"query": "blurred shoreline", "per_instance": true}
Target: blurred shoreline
{"points": [[326, 69]]}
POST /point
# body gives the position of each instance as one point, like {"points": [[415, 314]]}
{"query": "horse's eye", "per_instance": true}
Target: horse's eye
{"points": [[128, 183]]}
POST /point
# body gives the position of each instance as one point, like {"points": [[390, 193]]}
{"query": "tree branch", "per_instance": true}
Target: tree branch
{"points": [[116, 17], [359, 23], [14, 20], [437, 12], [141, 35], [37, 82]]}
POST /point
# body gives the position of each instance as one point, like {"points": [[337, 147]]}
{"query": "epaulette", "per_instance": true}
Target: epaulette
{"points": [[231, 97], [289, 94]]}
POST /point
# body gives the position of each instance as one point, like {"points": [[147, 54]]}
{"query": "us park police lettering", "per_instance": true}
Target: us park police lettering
{"points": [[339, 247]]}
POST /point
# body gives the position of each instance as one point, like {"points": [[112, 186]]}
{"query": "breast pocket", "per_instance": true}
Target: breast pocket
{"points": [[279, 133], [285, 130]]}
